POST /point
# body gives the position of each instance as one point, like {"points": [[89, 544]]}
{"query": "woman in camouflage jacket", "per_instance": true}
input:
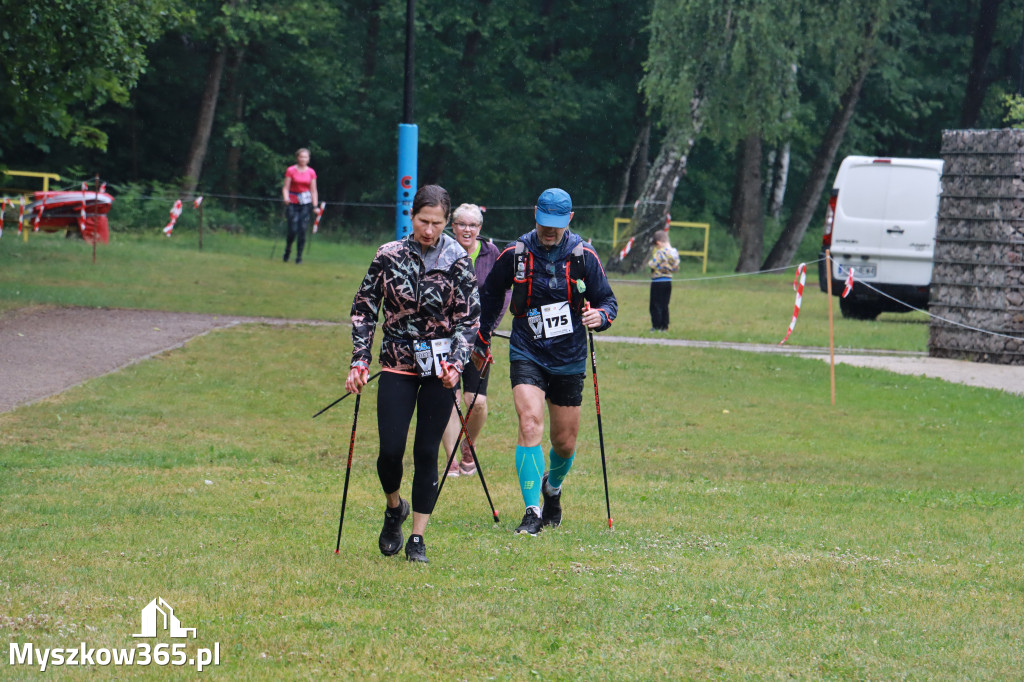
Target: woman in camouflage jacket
{"points": [[427, 288]]}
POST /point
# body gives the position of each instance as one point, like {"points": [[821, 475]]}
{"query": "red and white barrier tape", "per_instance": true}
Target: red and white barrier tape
{"points": [[798, 284], [197, 202], [21, 213], [849, 284], [38, 216], [319, 211], [627, 248], [175, 212]]}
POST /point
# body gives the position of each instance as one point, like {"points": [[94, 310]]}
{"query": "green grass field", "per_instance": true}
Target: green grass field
{"points": [[759, 531]]}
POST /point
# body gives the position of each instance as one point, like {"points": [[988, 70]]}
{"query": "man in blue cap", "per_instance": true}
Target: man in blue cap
{"points": [[559, 290]]}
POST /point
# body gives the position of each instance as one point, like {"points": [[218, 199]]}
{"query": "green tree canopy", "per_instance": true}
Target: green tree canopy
{"points": [[62, 59]]}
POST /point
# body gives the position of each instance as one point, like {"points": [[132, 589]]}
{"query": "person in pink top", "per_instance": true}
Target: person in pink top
{"points": [[300, 196]]}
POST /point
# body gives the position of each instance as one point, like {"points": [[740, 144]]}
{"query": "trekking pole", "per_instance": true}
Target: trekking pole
{"points": [[343, 397], [284, 223], [472, 450], [469, 413], [348, 471], [600, 430], [318, 212]]}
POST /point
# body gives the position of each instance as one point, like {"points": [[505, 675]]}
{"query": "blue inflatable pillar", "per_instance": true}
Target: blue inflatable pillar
{"points": [[408, 151]]}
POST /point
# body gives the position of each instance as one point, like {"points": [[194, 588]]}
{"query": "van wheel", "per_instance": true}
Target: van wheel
{"points": [[858, 310]]}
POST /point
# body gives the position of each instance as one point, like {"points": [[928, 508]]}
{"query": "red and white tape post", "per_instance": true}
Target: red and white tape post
{"points": [[627, 248], [197, 202], [849, 284], [175, 212], [38, 216], [3, 210], [21, 213], [798, 284], [319, 211]]}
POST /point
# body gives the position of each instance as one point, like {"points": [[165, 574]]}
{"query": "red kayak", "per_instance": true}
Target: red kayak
{"points": [[55, 211]]}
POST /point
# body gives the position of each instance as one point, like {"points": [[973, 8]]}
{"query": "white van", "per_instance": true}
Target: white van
{"points": [[881, 221]]}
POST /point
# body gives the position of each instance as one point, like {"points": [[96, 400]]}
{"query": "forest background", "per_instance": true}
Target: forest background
{"points": [[732, 112]]}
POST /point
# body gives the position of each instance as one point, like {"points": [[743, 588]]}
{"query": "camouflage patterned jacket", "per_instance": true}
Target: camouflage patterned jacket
{"points": [[419, 304]]}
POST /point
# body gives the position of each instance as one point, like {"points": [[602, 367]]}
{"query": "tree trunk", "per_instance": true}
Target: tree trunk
{"points": [[748, 216], [204, 126], [656, 198], [634, 161], [780, 178], [643, 159], [974, 94], [789, 241]]}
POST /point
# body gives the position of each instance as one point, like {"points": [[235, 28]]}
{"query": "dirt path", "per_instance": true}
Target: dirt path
{"points": [[45, 350]]}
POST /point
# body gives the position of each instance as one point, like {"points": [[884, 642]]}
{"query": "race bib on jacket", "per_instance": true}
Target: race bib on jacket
{"points": [[430, 356], [557, 320], [550, 321]]}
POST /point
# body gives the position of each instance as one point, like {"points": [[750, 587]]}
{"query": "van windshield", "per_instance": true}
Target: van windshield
{"points": [[884, 192]]}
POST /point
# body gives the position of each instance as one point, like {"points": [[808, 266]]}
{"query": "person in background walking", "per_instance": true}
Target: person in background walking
{"points": [[467, 221], [664, 261], [426, 288], [300, 196]]}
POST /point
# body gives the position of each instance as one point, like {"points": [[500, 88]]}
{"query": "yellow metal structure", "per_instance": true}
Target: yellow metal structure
{"points": [[703, 255], [46, 177], [32, 174]]}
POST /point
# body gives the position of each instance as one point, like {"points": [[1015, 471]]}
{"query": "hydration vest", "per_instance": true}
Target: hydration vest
{"points": [[522, 280]]}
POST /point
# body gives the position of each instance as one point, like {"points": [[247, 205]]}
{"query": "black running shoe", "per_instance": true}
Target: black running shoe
{"points": [[531, 524], [391, 538], [416, 550], [551, 514]]}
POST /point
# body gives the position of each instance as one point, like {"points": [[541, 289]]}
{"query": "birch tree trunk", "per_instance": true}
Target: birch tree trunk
{"points": [[780, 178], [656, 198], [635, 163]]}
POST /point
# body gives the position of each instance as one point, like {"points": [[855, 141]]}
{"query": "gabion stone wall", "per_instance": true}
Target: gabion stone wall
{"points": [[978, 279]]}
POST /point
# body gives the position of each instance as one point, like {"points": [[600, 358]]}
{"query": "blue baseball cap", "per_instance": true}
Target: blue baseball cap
{"points": [[554, 208]]}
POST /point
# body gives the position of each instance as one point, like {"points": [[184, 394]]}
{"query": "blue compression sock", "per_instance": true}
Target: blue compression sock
{"points": [[559, 468], [530, 467]]}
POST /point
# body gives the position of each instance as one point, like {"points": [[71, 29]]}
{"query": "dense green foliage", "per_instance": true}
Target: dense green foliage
{"points": [[510, 96], [63, 60]]}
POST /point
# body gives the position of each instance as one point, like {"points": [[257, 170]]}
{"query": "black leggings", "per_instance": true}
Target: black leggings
{"points": [[298, 218], [397, 395]]}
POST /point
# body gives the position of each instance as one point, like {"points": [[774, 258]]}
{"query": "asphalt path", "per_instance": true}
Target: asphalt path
{"points": [[46, 350]]}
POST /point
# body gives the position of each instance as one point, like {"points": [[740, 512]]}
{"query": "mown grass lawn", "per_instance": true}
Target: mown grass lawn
{"points": [[759, 531]]}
